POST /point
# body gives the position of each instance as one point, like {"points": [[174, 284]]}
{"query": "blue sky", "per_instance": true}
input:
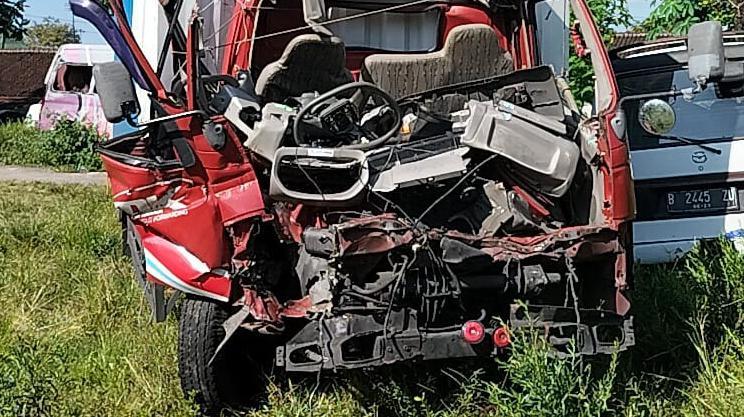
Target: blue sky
{"points": [[36, 10], [639, 8]]}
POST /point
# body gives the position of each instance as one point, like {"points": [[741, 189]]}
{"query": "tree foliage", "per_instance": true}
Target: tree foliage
{"points": [[608, 14], [676, 16], [51, 33], [12, 23], [668, 17]]}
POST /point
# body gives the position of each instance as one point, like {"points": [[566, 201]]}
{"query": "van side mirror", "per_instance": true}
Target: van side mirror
{"points": [[706, 59], [116, 91]]}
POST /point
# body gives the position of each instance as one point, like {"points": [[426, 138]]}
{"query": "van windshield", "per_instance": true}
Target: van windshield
{"points": [[716, 114]]}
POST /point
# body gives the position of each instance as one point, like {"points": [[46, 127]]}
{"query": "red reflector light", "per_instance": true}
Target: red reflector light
{"points": [[473, 332], [501, 338]]}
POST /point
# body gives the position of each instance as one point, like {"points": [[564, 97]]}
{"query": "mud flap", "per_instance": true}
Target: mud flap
{"points": [[258, 313], [231, 326]]}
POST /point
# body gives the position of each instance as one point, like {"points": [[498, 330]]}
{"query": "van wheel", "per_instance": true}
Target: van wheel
{"points": [[236, 378]]}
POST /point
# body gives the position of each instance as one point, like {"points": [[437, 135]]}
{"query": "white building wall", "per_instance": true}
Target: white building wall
{"points": [[149, 27]]}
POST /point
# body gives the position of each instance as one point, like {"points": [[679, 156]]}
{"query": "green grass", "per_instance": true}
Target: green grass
{"points": [[76, 339], [67, 147]]}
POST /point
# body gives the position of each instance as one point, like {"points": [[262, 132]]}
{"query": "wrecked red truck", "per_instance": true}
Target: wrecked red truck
{"points": [[363, 183]]}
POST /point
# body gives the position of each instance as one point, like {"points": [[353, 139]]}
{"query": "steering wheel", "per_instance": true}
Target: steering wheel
{"points": [[340, 113]]}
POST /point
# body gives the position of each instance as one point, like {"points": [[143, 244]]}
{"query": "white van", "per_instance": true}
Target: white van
{"points": [[689, 181]]}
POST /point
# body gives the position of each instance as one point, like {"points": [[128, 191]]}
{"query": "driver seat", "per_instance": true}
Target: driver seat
{"points": [[309, 63]]}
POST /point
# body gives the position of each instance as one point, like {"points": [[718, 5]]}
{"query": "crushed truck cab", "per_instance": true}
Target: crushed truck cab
{"points": [[339, 185]]}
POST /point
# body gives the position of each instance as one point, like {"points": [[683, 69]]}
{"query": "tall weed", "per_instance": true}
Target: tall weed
{"points": [[718, 388], [668, 301], [716, 271], [540, 384]]}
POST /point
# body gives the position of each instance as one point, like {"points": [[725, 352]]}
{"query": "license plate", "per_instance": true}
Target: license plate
{"points": [[692, 201]]}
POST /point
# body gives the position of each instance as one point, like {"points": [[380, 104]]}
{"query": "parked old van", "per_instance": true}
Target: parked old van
{"points": [[70, 88], [689, 174]]}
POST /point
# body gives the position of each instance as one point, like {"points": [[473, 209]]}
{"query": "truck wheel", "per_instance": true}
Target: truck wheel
{"points": [[235, 379]]}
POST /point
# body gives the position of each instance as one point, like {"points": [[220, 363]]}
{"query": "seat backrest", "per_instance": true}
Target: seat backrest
{"points": [[309, 63], [471, 52]]}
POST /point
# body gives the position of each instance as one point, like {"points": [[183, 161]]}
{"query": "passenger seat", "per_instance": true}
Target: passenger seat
{"points": [[471, 52]]}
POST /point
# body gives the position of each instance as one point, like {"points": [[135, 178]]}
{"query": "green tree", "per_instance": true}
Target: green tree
{"points": [[608, 14], [51, 33], [676, 16], [12, 23]]}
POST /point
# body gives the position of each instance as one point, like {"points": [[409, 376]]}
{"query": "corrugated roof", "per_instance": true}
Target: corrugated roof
{"points": [[626, 39], [22, 73]]}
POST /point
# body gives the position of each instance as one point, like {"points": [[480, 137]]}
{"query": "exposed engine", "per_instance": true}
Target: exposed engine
{"points": [[404, 219]]}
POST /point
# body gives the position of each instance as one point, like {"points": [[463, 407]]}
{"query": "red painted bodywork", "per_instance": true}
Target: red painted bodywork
{"points": [[219, 190], [180, 270], [215, 201]]}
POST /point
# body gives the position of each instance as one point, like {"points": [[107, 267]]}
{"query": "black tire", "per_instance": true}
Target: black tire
{"points": [[10, 116], [125, 233], [236, 378]]}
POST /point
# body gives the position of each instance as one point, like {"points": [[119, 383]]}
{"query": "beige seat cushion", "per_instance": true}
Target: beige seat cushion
{"points": [[309, 63], [471, 52]]}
